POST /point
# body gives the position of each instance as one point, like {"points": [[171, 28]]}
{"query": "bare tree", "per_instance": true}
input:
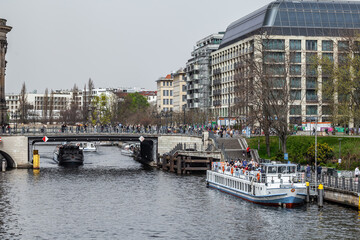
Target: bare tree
{"points": [[23, 105], [263, 81], [45, 106], [51, 107]]}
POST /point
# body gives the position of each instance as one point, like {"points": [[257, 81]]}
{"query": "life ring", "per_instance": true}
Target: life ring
{"points": [[232, 171], [293, 190], [258, 177]]}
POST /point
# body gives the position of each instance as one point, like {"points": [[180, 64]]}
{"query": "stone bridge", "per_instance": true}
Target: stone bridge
{"points": [[17, 150]]}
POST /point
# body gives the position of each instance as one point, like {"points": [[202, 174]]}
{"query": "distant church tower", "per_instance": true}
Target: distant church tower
{"points": [[3, 47]]}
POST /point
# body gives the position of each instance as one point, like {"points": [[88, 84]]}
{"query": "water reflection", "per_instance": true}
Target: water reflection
{"points": [[113, 197]]}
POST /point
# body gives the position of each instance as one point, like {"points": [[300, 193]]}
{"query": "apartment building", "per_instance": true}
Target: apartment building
{"points": [[198, 72]]}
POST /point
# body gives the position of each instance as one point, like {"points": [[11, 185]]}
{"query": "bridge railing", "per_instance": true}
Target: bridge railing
{"points": [[96, 130]]}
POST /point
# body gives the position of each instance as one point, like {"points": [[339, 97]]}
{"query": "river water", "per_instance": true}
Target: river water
{"points": [[114, 197]]}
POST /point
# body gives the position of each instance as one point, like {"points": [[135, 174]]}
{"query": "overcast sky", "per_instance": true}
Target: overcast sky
{"points": [[117, 43]]}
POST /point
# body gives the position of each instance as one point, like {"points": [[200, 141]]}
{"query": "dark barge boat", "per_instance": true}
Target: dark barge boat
{"points": [[69, 154]]}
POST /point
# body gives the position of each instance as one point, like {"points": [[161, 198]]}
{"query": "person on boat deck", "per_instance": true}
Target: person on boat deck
{"points": [[244, 163]]}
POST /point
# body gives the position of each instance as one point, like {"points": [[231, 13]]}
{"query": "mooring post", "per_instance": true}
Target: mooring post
{"points": [[343, 182], [321, 195], [172, 164], [351, 184], [164, 161], [178, 165], [36, 159], [3, 165], [329, 181], [336, 182], [307, 192]]}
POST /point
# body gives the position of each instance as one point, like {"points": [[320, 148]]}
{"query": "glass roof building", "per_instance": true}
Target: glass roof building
{"points": [[289, 33], [295, 18]]}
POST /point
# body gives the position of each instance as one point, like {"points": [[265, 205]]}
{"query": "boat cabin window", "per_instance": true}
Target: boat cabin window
{"points": [[271, 169], [286, 169]]}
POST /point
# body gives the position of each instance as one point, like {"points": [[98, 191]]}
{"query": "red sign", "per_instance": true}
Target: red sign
{"points": [[45, 139], [0, 140]]}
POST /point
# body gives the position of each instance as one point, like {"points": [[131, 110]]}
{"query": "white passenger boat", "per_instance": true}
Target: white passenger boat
{"points": [[272, 185], [87, 146]]}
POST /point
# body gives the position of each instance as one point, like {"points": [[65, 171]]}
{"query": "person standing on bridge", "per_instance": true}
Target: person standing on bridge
{"points": [[248, 151]]}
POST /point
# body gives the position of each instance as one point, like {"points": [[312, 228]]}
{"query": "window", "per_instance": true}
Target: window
{"points": [[164, 92], [311, 58], [164, 101], [163, 83], [311, 83], [328, 56], [167, 83], [183, 88], [171, 101], [295, 69], [277, 82], [274, 57], [311, 45], [183, 98], [326, 110], [311, 95], [295, 82], [274, 44], [295, 44], [327, 45], [311, 110], [171, 92], [295, 57], [170, 83], [343, 45], [295, 94], [295, 110]]}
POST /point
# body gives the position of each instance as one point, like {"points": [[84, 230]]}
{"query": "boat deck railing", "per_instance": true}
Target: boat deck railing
{"points": [[259, 177]]}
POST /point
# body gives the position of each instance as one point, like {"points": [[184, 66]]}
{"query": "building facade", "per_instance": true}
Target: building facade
{"points": [[179, 91], [165, 96], [283, 38], [4, 29], [198, 72]]}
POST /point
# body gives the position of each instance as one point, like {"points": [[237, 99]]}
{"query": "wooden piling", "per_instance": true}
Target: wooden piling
{"points": [[164, 162], [172, 164], [178, 165]]}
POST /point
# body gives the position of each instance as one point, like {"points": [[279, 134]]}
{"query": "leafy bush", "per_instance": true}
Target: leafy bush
{"points": [[324, 153]]}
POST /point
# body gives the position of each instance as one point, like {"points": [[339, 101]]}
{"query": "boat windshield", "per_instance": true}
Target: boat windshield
{"points": [[271, 169], [284, 169]]}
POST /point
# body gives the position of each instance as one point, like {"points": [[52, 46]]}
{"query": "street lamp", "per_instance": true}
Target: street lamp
{"points": [[339, 150]]}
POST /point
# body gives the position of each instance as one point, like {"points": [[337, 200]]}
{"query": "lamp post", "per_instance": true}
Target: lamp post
{"points": [[339, 150]]}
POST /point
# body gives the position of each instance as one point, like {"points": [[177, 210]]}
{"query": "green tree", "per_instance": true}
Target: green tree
{"points": [[101, 112], [137, 102], [324, 153]]}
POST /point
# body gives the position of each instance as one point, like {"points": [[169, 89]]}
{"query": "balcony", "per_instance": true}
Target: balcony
{"points": [[216, 71], [217, 103], [217, 92], [217, 82]]}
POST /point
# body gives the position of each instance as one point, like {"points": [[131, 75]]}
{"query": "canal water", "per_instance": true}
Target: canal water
{"points": [[114, 197]]}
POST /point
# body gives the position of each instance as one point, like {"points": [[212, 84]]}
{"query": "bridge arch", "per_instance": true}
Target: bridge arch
{"points": [[9, 160]]}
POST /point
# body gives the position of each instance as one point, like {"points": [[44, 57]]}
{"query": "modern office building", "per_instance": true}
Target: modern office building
{"points": [[198, 72], [282, 37]]}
